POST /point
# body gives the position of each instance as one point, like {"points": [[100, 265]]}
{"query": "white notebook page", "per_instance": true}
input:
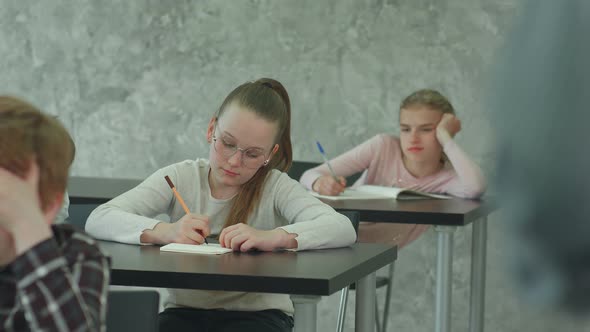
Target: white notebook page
{"points": [[206, 249]]}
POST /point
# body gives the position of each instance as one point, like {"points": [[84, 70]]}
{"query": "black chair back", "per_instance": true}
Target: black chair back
{"points": [[299, 167], [355, 218], [133, 310], [78, 214]]}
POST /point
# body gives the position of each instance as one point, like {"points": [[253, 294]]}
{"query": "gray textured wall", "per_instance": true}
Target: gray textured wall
{"points": [[137, 81]]}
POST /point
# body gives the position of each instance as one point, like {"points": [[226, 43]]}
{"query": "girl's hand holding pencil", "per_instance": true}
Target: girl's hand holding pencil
{"points": [[190, 229], [327, 185], [187, 211], [332, 185]]}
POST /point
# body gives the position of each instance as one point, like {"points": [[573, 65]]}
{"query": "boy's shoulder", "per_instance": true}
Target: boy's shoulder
{"points": [[73, 241]]}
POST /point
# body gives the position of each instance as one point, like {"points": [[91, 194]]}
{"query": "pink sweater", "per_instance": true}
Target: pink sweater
{"points": [[381, 160]]}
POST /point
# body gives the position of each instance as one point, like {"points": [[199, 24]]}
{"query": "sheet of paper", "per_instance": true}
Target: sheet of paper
{"points": [[371, 192], [351, 194], [399, 193], [206, 249]]}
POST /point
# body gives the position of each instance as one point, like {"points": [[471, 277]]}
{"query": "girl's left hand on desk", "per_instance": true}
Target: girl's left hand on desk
{"points": [[241, 237]]}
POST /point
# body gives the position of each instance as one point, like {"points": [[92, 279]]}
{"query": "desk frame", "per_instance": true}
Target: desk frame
{"points": [[446, 216], [141, 266]]}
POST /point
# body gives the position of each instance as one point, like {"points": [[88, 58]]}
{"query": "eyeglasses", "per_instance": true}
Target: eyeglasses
{"points": [[251, 158]]}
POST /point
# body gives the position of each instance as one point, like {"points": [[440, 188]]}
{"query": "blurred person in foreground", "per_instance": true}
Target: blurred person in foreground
{"points": [[540, 101]]}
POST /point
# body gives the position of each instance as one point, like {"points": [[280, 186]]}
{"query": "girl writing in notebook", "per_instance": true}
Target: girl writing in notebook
{"points": [[241, 194], [424, 157]]}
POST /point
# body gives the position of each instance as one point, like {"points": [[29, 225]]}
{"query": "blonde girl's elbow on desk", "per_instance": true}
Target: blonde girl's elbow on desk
{"points": [[479, 188], [473, 190], [477, 191]]}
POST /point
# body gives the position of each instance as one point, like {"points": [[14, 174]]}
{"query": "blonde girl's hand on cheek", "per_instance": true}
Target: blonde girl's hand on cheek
{"points": [[241, 237], [327, 185], [190, 229], [447, 128]]}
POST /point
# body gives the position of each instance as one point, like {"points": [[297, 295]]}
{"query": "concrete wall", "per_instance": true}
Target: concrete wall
{"points": [[137, 81]]}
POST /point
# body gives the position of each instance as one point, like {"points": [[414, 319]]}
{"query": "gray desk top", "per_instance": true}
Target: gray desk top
{"points": [[313, 272], [451, 212]]}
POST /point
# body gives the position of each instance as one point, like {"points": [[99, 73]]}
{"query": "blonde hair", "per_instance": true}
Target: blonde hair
{"points": [[26, 134], [429, 98], [267, 98]]}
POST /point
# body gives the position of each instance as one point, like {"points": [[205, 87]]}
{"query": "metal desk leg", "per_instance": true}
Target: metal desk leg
{"points": [[478, 275], [365, 304], [342, 309], [444, 274], [388, 297], [306, 309]]}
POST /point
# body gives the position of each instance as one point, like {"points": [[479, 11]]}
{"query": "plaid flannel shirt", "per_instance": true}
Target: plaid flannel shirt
{"points": [[60, 284]]}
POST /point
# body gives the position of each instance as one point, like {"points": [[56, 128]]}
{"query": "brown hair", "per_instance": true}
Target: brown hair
{"points": [[268, 99], [429, 98], [26, 134]]}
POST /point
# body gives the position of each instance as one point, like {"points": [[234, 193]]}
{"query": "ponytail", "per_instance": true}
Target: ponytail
{"points": [[267, 98]]}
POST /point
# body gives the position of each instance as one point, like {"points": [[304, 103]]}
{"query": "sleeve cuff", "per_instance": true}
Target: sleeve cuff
{"points": [[303, 242]]}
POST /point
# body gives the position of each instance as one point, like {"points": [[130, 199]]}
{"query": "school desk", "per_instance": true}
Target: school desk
{"points": [[305, 275], [446, 216]]}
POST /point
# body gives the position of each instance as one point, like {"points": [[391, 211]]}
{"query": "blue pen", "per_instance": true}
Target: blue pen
{"points": [[327, 161]]}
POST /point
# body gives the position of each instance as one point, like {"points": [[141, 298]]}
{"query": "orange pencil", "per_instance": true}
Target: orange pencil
{"points": [[179, 198]]}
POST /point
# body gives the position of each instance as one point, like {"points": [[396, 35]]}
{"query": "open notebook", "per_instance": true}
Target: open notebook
{"points": [[366, 192], [206, 249]]}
